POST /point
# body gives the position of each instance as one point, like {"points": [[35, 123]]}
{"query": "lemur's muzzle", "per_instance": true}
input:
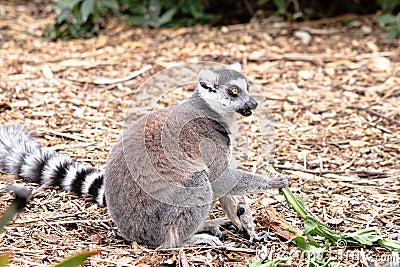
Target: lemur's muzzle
{"points": [[250, 105]]}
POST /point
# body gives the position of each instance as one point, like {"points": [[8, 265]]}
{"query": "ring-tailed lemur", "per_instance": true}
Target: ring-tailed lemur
{"points": [[167, 169]]}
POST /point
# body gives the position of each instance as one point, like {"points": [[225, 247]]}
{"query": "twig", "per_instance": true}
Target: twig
{"points": [[109, 262], [136, 262], [249, 8], [244, 250], [122, 79], [183, 259], [314, 57], [383, 129], [375, 113], [26, 262], [79, 221], [24, 222], [52, 227], [282, 167], [327, 20], [69, 136], [72, 146], [280, 99]]}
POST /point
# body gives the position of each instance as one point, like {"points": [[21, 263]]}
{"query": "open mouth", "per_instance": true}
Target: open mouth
{"points": [[245, 112]]}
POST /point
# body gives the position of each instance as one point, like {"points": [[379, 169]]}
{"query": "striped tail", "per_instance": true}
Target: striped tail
{"points": [[20, 154]]}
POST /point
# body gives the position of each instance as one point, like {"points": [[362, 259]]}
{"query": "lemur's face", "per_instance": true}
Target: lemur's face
{"points": [[229, 88]]}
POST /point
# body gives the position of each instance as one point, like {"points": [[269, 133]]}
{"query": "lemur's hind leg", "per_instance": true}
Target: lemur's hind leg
{"points": [[214, 226], [181, 224], [182, 220], [205, 239], [183, 230]]}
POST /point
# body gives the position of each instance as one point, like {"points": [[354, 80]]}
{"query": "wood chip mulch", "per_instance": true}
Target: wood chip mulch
{"points": [[335, 101]]}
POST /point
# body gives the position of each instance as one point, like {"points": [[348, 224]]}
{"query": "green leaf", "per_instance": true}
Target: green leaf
{"points": [[313, 253], [280, 4], [111, 4], [386, 19], [393, 32], [22, 196], [167, 16], [63, 16], [312, 226], [364, 237], [4, 259], [299, 201], [301, 242], [66, 4], [87, 8], [137, 20], [390, 244], [10, 213], [293, 201], [388, 5], [196, 11], [154, 9], [76, 260]]}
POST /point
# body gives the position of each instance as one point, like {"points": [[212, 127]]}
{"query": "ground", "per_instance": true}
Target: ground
{"points": [[334, 100]]}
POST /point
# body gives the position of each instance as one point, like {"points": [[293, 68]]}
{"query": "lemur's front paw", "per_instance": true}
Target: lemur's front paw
{"points": [[280, 180], [206, 239]]}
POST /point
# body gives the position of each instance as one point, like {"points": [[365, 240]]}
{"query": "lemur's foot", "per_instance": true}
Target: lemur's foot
{"points": [[206, 239], [213, 227], [263, 236]]}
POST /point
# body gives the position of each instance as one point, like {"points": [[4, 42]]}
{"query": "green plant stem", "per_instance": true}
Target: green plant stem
{"points": [[389, 244], [9, 214], [293, 202], [290, 198]]}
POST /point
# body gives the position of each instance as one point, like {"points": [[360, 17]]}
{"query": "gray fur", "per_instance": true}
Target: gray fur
{"points": [[165, 172], [168, 167]]}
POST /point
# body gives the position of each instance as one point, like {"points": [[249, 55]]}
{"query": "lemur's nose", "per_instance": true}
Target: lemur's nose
{"points": [[252, 103]]}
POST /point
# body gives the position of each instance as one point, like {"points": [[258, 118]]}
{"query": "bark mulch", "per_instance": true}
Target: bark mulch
{"points": [[334, 98]]}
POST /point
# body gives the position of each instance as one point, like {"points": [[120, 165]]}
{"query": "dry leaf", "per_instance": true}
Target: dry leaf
{"points": [[380, 64]]}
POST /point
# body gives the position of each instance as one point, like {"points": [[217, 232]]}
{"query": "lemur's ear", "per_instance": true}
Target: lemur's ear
{"points": [[235, 66], [207, 76]]}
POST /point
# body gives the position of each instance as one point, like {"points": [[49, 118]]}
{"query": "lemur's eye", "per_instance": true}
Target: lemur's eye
{"points": [[234, 91]]}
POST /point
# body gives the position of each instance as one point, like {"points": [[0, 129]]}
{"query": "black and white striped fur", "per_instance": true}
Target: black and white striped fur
{"points": [[20, 154]]}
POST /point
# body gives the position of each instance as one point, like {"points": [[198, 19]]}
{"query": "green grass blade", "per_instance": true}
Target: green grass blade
{"points": [[4, 259], [11, 211], [365, 237], [22, 196], [389, 244], [293, 201], [76, 260]]}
